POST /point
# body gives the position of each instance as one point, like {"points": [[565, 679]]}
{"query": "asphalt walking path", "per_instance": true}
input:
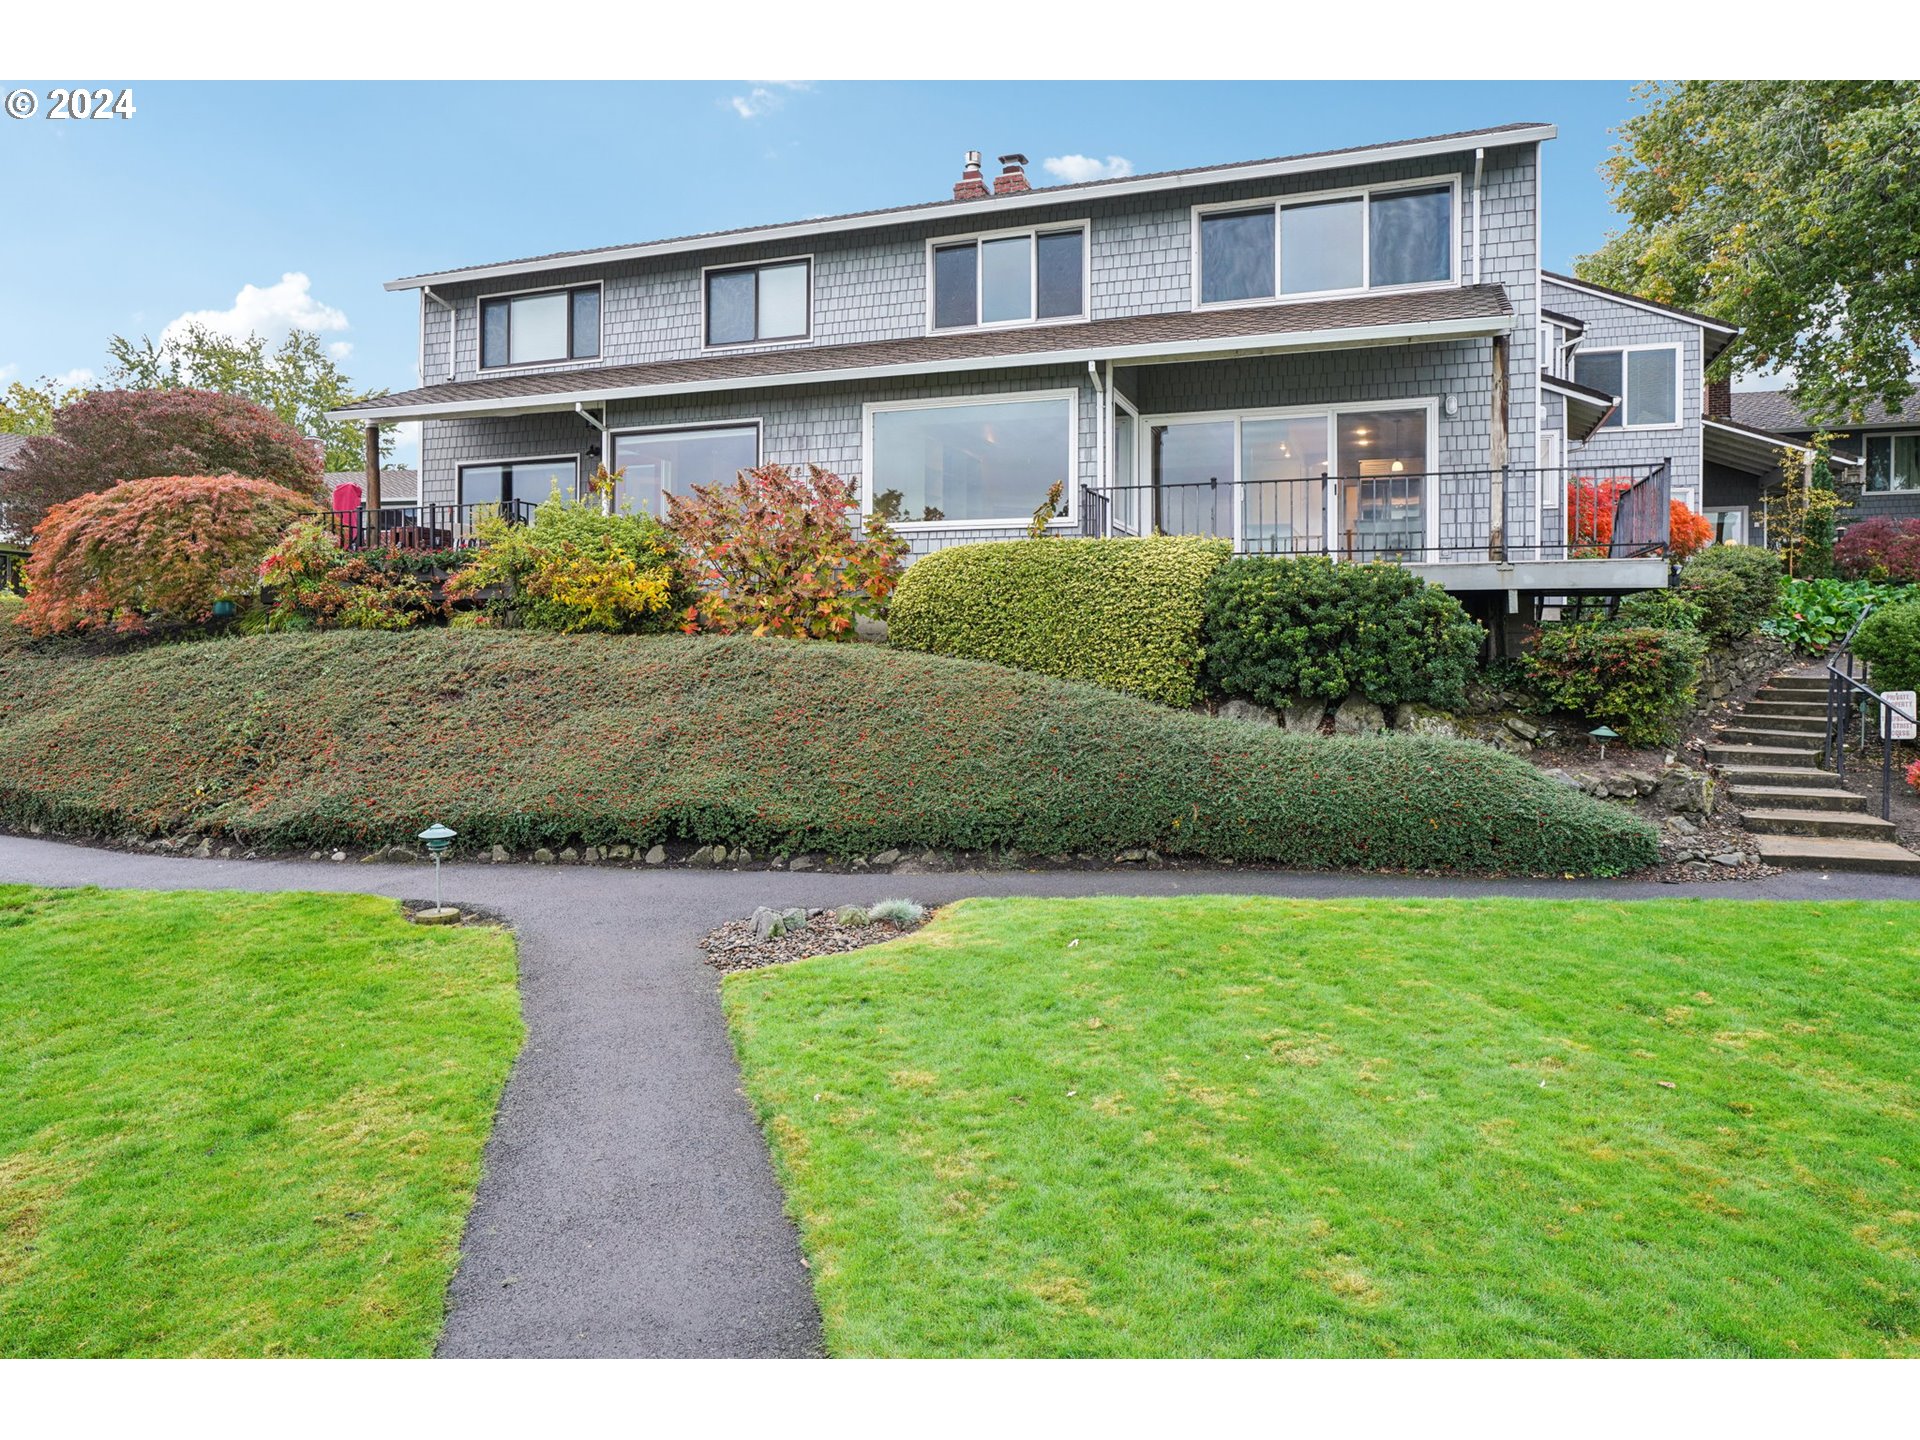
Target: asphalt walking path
{"points": [[628, 1206]]}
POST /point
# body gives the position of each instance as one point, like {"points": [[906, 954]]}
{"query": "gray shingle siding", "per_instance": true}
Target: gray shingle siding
{"points": [[1612, 325], [872, 286]]}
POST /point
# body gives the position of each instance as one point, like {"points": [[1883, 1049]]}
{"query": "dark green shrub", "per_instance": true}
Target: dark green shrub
{"points": [[1123, 614], [1638, 681], [316, 740], [1735, 586], [1660, 610], [1889, 641], [1277, 629]]}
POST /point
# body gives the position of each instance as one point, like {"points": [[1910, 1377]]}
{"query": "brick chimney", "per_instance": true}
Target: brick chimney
{"points": [[1012, 179], [970, 186], [1719, 399]]}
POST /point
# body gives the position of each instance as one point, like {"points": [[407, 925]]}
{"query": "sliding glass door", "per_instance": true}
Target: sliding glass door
{"points": [[1381, 507]]}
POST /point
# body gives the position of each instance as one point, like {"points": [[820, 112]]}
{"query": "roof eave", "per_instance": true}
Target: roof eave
{"points": [[991, 205], [1210, 347]]}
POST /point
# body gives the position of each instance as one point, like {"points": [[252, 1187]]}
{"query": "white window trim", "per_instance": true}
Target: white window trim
{"points": [[734, 347], [1893, 485], [1679, 350], [1309, 197], [1034, 232], [753, 423], [1430, 502], [480, 326], [1070, 477], [460, 468]]}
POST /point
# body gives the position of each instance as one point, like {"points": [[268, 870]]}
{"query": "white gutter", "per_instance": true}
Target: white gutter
{"points": [[1479, 161], [994, 204], [1348, 337]]}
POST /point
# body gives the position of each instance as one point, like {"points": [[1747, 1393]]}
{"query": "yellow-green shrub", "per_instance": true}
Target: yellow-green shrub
{"points": [[1124, 614]]}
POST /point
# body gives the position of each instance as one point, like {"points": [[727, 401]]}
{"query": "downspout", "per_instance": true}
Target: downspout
{"points": [[1101, 435], [1479, 162], [606, 496]]}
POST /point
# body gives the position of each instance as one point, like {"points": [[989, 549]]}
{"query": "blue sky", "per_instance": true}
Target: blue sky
{"points": [[209, 188]]}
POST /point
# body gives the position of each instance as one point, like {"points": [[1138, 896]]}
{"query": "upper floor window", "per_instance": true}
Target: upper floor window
{"points": [[1010, 278], [1893, 462], [1645, 379], [1369, 240], [747, 304], [540, 328]]}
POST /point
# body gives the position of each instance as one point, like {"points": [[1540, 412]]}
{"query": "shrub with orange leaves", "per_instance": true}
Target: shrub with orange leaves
{"points": [[1590, 505], [1687, 531], [149, 554], [778, 553]]}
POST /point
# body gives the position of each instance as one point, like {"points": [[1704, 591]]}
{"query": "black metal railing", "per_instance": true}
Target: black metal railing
{"points": [[419, 527], [1438, 516], [1849, 699]]}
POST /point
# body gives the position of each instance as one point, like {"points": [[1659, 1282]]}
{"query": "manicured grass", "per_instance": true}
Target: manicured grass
{"points": [[239, 1124], [1228, 1126], [304, 741]]}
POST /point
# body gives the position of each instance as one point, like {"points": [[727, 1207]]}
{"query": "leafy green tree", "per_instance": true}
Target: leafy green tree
{"points": [[1786, 207], [28, 409], [298, 381]]}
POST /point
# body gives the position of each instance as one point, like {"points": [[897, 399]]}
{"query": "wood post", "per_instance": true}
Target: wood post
{"points": [[1497, 454], [372, 496]]}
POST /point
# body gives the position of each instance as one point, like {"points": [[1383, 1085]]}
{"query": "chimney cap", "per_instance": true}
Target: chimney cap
{"points": [[973, 159], [1013, 159]]}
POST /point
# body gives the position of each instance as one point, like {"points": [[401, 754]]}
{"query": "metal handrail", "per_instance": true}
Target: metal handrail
{"points": [[1848, 694]]}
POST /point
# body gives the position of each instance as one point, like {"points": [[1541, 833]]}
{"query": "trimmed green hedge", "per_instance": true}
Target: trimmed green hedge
{"points": [[1889, 642], [1281, 629], [1735, 586], [362, 737], [1639, 680], [1124, 614]]}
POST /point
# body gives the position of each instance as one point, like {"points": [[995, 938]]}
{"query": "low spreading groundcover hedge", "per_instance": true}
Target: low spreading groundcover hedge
{"points": [[517, 739]]}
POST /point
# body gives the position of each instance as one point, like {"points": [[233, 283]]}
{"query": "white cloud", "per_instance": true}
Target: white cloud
{"points": [[765, 96], [1071, 169], [7, 372], [269, 312], [340, 349], [78, 378]]}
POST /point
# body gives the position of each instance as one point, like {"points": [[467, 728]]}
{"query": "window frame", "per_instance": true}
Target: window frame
{"points": [[480, 366], [756, 266], [1432, 475], [1892, 438], [1033, 234], [1626, 382], [460, 468], [1070, 514], [1364, 193], [754, 423]]}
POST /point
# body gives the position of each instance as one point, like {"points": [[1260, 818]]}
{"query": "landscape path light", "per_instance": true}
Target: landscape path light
{"points": [[438, 838], [1602, 734]]}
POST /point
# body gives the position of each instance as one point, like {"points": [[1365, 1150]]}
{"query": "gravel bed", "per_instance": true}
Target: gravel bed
{"points": [[737, 946]]}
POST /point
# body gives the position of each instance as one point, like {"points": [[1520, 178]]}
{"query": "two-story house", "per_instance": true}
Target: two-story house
{"points": [[1335, 353], [1879, 454]]}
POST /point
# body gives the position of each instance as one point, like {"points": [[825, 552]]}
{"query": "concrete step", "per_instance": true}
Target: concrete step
{"points": [[1799, 756], [1770, 733], [1802, 852], [1795, 797], [1797, 682], [1805, 709], [1801, 777], [1816, 822], [1796, 724]]}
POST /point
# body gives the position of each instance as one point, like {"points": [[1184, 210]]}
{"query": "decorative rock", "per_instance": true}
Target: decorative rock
{"points": [[850, 915], [619, 852], [592, 854], [708, 855], [1304, 717], [657, 855], [1357, 716], [1680, 825], [205, 852], [1684, 790], [569, 856], [338, 856], [1640, 780], [886, 858], [389, 855], [796, 915], [768, 924], [1414, 718], [543, 856], [1247, 711], [499, 855], [1525, 729], [316, 855], [1561, 777], [1729, 859], [803, 862], [742, 856]]}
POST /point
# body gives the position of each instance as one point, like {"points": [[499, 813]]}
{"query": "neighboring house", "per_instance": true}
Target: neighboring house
{"points": [[1328, 353], [13, 550], [1885, 443], [399, 485]]}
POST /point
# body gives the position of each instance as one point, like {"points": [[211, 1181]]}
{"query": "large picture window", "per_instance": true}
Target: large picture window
{"points": [[977, 461], [750, 304], [659, 463], [1326, 245], [1646, 381], [1010, 278], [1893, 462], [540, 328], [515, 484]]}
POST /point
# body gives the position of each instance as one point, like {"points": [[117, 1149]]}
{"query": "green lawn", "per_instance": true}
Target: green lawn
{"points": [[239, 1124], [1227, 1126]]}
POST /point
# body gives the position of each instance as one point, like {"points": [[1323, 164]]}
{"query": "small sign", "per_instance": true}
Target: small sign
{"points": [[1898, 727]]}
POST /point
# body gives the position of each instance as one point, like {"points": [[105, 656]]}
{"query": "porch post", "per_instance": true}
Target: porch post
{"points": [[372, 497], [1497, 454]]}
